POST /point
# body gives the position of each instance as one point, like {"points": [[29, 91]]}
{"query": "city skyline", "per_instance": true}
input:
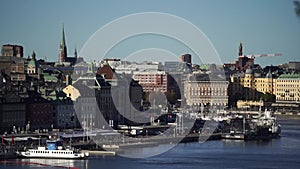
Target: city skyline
{"points": [[261, 26]]}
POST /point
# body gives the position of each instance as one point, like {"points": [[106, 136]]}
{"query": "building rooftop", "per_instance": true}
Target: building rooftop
{"points": [[49, 78], [289, 76]]}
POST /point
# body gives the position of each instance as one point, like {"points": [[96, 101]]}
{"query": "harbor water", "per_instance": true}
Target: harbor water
{"points": [[283, 152]]}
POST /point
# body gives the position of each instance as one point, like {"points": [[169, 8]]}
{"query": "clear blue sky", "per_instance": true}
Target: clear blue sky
{"points": [[268, 26]]}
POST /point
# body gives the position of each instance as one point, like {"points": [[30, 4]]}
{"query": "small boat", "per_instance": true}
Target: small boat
{"points": [[53, 150], [264, 126]]}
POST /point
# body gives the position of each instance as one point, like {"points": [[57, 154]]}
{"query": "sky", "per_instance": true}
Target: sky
{"points": [[269, 26]]}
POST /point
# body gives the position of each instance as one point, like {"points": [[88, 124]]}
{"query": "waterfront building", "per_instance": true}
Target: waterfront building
{"points": [[86, 107], [12, 113], [39, 112], [288, 88], [64, 114], [119, 94], [112, 94], [251, 85], [202, 90], [83, 93]]}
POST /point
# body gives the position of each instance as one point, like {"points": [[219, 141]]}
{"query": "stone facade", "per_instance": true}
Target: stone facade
{"points": [[288, 88], [12, 50]]}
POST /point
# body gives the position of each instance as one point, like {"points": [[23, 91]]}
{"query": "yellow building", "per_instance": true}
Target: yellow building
{"points": [[251, 85], [288, 88]]}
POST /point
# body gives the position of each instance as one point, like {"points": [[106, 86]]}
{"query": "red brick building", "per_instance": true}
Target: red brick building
{"points": [[153, 80]]}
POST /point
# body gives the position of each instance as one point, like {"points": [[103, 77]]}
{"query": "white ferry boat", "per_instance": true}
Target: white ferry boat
{"points": [[53, 150]]}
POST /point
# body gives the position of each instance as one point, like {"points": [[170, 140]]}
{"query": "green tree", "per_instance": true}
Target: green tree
{"points": [[268, 97]]}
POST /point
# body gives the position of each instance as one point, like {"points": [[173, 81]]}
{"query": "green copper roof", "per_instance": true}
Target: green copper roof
{"points": [[33, 60], [51, 78], [32, 63], [289, 76]]}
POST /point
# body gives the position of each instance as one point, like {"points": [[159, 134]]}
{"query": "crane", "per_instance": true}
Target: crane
{"points": [[253, 56]]}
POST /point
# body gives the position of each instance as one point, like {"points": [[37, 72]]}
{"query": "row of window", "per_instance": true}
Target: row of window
{"points": [[87, 108], [287, 99], [288, 85], [207, 89], [53, 152], [287, 94], [290, 90], [288, 81], [208, 93]]}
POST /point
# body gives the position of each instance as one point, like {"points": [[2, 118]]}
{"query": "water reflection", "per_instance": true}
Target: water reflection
{"points": [[53, 163]]}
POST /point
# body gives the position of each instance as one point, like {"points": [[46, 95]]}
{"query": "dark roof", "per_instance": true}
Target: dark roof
{"points": [[107, 71], [84, 90]]}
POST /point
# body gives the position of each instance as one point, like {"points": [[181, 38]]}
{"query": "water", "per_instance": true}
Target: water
{"points": [[277, 153]]}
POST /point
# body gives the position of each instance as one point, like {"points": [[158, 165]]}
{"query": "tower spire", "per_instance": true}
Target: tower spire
{"points": [[75, 53], [63, 41], [63, 47], [241, 49], [33, 56]]}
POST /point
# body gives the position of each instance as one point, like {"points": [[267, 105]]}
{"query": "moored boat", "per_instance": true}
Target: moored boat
{"points": [[53, 150], [261, 127]]}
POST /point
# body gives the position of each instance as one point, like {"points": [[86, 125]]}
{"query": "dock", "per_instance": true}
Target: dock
{"points": [[93, 153]]}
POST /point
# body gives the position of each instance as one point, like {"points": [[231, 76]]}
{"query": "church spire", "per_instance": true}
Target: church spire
{"points": [[75, 53], [33, 56], [241, 49], [63, 41], [63, 47]]}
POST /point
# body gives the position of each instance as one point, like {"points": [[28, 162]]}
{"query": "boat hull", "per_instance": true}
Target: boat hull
{"points": [[52, 155]]}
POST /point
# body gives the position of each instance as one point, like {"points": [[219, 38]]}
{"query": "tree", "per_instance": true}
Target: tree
{"points": [[268, 97], [172, 97], [297, 7]]}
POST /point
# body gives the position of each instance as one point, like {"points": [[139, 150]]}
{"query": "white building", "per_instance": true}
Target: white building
{"points": [[288, 88], [205, 91]]}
